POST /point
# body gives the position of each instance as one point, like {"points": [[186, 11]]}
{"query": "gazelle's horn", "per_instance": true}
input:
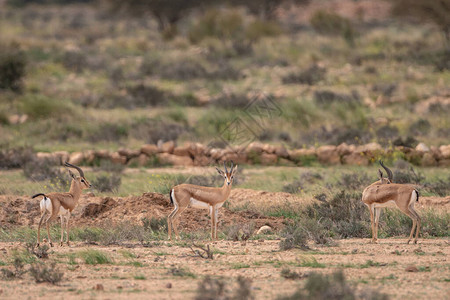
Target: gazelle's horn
{"points": [[75, 167], [232, 166], [388, 171], [225, 166]]}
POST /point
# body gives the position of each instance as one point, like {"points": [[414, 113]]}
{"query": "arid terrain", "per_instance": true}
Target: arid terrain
{"points": [[171, 270]]}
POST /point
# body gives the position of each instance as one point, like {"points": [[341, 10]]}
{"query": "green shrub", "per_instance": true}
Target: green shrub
{"points": [[259, 28], [310, 76], [216, 288], [107, 183], [44, 273], [94, 257], [331, 23], [12, 68], [42, 107]]}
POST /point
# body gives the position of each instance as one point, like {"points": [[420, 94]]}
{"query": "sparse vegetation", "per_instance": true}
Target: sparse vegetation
{"points": [[46, 273]]}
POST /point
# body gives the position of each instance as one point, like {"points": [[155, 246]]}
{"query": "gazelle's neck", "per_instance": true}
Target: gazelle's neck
{"points": [[75, 190], [226, 188]]}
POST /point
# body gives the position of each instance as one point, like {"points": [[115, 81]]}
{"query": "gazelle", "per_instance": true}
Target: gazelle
{"points": [[212, 198], [383, 192], [61, 204]]}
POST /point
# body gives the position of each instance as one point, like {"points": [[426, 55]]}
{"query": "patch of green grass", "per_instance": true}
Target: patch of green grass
{"points": [[127, 254], [240, 266], [139, 277], [134, 264], [424, 269], [310, 262], [181, 272], [94, 257], [2, 263]]}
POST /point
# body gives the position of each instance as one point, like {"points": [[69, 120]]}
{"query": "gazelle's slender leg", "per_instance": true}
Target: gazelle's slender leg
{"points": [[170, 221], [213, 222], [67, 228], [412, 210], [174, 220], [372, 223], [39, 228], [406, 211], [62, 230], [216, 221], [48, 231], [377, 219]]}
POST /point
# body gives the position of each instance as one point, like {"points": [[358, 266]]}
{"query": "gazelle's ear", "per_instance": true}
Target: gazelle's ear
{"points": [[71, 174], [222, 173], [380, 174]]}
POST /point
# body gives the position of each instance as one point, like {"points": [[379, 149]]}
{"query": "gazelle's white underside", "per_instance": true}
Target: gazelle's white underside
{"points": [[390, 203], [199, 204]]}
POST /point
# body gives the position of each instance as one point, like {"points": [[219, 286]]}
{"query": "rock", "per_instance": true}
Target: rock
{"points": [[344, 149], [264, 229], [89, 156], [237, 158], [102, 154], [201, 160], [98, 287], [143, 160], [169, 285], [268, 148], [299, 155], [411, 268], [445, 151], [371, 147], [149, 149], [76, 158], [255, 147], [444, 162], [170, 159], [216, 154], [129, 153], [166, 147], [50, 157], [422, 147], [118, 159], [280, 151], [355, 159], [285, 162], [328, 155], [428, 160], [268, 159], [182, 151]]}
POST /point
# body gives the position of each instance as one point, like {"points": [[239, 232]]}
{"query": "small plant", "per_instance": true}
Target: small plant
{"points": [[154, 224], [181, 272], [107, 183], [294, 237], [310, 76], [206, 253], [12, 68], [44, 273], [40, 252], [240, 232], [289, 274], [216, 288], [330, 23], [94, 257], [16, 273]]}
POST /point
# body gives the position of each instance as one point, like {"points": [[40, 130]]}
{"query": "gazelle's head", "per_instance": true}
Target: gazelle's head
{"points": [[388, 172], [228, 175], [79, 181]]}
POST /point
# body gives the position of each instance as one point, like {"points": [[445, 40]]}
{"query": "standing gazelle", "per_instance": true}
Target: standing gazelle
{"points": [[381, 193], [61, 204], [202, 197]]}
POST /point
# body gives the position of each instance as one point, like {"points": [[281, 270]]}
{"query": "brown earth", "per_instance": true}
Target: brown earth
{"points": [[97, 211], [149, 272], [382, 267]]}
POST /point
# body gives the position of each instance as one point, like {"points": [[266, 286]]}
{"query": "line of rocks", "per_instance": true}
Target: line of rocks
{"points": [[195, 154]]}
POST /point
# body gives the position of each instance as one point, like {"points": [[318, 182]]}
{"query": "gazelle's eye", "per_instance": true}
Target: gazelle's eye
{"points": [[82, 180]]}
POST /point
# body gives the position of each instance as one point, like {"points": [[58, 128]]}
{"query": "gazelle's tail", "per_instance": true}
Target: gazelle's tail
{"points": [[40, 194]]}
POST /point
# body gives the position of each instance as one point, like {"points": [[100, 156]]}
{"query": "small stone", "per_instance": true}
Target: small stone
{"points": [[354, 251], [169, 285], [119, 287], [264, 229], [99, 287], [411, 268]]}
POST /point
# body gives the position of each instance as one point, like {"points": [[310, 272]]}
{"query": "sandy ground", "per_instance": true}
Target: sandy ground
{"points": [[261, 261], [146, 273]]}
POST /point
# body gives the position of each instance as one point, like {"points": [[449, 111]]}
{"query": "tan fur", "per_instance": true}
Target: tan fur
{"points": [[378, 194], [66, 200], [210, 197]]}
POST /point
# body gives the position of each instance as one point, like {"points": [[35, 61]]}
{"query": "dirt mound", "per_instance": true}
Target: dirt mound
{"points": [[98, 211]]}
